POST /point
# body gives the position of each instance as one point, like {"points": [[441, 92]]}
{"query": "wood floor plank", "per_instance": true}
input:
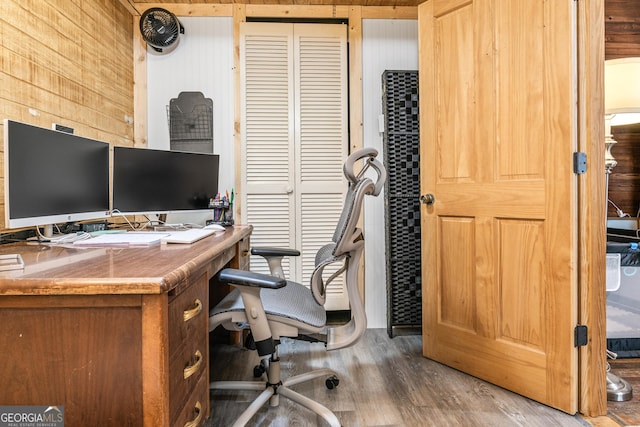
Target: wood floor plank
{"points": [[626, 413], [384, 382]]}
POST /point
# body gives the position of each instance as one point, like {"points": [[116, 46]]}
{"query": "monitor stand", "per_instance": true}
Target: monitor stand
{"points": [[47, 230]]}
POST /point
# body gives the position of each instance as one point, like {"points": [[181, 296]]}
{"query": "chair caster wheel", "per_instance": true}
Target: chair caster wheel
{"points": [[258, 370], [332, 382]]}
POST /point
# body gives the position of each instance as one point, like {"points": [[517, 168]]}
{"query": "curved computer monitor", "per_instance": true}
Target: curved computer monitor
{"points": [[147, 181], [53, 177]]}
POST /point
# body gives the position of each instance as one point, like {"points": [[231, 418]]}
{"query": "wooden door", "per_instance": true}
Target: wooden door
{"points": [[498, 131]]}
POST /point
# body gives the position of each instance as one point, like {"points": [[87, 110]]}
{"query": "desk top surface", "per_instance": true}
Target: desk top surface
{"points": [[65, 269]]}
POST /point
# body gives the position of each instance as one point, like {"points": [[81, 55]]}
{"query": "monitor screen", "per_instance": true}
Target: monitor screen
{"points": [[53, 177], [157, 181]]}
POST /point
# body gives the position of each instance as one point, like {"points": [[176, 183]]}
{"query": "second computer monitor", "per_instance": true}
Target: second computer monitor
{"points": [[149, 181]]}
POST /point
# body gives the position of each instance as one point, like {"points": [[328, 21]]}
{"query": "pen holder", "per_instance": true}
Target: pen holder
{"points": [[222, 212]]}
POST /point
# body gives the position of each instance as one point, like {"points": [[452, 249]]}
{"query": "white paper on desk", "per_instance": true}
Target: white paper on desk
{"points": [[123, 239]]}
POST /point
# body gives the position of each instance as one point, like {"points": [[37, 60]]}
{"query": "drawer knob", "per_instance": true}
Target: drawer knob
{"points": [[192, 312], [195, 366], [198, 411]]}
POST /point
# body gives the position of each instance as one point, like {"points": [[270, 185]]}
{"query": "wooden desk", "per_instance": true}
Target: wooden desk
{"points": [[118, 336]]}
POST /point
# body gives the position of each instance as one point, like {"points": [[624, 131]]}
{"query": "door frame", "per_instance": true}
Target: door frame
{"points": [[591, 244]]}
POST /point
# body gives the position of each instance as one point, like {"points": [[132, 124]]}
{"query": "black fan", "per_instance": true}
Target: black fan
{"points": [[160, 28]]}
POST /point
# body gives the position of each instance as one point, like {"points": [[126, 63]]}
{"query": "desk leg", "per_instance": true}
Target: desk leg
{"points": [[217, 291], [155, 362]]}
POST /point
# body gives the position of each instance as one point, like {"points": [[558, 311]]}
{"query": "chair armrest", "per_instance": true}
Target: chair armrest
{"points": [[268, 251], [250, 284], [274, 257], [249, 278]]}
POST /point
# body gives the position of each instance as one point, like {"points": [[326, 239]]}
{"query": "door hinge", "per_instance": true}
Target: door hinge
{"points": [[579, 162], [580, 336]]}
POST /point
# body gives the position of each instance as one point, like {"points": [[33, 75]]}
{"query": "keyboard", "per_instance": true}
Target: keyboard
{"points": [[188, 236]]}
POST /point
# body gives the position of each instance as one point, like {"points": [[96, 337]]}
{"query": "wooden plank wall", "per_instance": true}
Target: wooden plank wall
{"points": [[67, 62], [622, 39]]}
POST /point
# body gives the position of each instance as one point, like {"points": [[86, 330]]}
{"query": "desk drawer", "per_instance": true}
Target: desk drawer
{"points": [[188, 344], [188, 313], [195, 411], [185, 372]]}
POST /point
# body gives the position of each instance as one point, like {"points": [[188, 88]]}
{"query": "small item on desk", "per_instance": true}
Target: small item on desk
{"points": [[65, 238], [214, 226], [222, 208], [189, 236], [71, 237], [11, 262], [98, 233], [131, 239]]}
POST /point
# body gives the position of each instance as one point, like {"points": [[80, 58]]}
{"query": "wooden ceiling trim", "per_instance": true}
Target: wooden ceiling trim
{"points": [[295, 11], [255, 9], [180, 9], [202, 6], [130, 7], [385, 12]]}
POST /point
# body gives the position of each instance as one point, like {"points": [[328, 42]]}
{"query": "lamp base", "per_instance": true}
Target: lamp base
{"points": [[618, 390]]}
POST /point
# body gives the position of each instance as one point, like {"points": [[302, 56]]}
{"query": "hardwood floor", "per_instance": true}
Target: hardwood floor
{"points": [[626, 413], [383, 382]]}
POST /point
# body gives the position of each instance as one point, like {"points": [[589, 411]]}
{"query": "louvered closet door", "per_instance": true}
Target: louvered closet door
{"points": [[294, 111]]}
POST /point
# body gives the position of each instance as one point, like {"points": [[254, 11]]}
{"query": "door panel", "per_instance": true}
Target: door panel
{"points": [[321, 143], [498, 124], [268, 143], [294, 109]]}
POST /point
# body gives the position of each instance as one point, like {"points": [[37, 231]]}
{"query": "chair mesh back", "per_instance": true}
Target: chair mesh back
{"points": [[344, 215], [346, 226]]}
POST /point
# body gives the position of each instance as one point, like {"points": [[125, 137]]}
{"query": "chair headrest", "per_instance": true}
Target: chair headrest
{"points": [[370, 155]]}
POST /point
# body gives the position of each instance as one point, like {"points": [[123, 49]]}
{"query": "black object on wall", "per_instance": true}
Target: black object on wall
{"points": [[160, 29], [191, 123], [402, 205]]}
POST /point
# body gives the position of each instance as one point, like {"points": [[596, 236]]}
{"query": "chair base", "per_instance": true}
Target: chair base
{"points": [[273, 389]]}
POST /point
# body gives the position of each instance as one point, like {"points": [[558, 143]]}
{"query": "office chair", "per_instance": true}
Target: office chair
{"points": [[273, 307]]}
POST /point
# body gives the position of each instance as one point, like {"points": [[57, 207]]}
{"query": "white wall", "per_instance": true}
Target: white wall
{"points": [[387, 45], [203, 61]]}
